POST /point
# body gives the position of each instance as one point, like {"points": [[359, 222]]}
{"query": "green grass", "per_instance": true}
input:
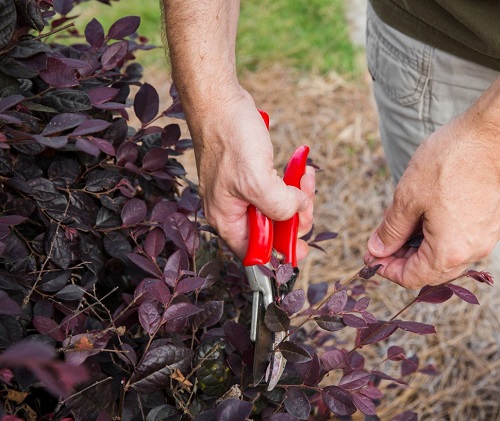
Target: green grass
{"points": [[308, 35]]}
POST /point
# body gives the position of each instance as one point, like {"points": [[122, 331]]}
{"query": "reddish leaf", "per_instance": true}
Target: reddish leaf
{"points": [[88, 147], [58, 74], [335, 359], [367, 272], [182, 232], [90, 126], [377, 332], [190, 200], [149, 316], [146, 103], [154, 242], [481, 276], [237, 335], [162, 210], [409, 365], [309, 371], [94, 33], [384, 376], [354, 321], [157, 289], [276, 319], [102, 94], [114, 54], [155, 159], [362, 304], [145, 264], [176, 264], [294, 301], [186, 285], [372, 392], [284, 273], [134, 212], [355, 380], [316, 292], [211, 314], [463, 294], [364, 404], [337, 302], [338, 400], [434, 294], [294, 353], [8, 306], [297, 403], [48, 327], [415, 327], [124, 27], [104, 145], [180, 311], [396, 353], [62, 122]]}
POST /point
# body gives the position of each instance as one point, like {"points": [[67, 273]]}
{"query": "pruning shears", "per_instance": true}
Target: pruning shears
{"points": [[269, 238]]}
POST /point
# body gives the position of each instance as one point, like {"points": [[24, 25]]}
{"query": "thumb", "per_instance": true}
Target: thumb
{"points": [[398, 225]]}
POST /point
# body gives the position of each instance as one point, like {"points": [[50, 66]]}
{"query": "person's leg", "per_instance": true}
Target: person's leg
{"points": [[417, 89]]}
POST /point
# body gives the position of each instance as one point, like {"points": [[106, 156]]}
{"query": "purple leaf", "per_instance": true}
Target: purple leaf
{"points": [[297, 403], [276, 319], [190, 200], [316, 292], [354, 321], [90, 126], [415, 327], [377, 332], [80, 347], [309, 371], [409, 365], [88, 147], [170, 135], [94, 33], [58, 74], [8, 306], [146, 103], [154, 242], [154, 371], [266, 271], [434, 294], [233, 410], [114, 54], [324, 236], [330, 323], [406, 416], [364, 404], [163, 209], [158, 290], [396, 353], [335, 359], [176, 264], [145, 264], [104, 145], [180, 311], [155, 159], [294, 353], [284, 273], [211, 314], [47, 326], [482, 276], [62, 122], [134, 212], [124, 27], [186, 285], [102, 94], [182, 232], [237, 335], [372, 392], [463, 294], [10, 101], [63, 7], [385, 376], [11, 220], [338, 400], [367, 272], [362, 304], [56, 142], [149, 316], [355, 380], [337, 302], [294, 301]]}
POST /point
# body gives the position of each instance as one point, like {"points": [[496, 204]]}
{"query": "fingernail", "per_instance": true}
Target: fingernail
{"points": [[375, 244], [369, 259]]}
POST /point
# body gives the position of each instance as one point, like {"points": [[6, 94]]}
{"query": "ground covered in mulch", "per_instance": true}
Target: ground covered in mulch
{"points": [[337, 119]]}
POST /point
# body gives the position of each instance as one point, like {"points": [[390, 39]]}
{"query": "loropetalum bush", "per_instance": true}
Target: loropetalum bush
{"points": [[116, 302]]}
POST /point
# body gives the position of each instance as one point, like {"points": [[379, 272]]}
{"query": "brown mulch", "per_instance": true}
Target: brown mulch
{"points": [[337, 119]]}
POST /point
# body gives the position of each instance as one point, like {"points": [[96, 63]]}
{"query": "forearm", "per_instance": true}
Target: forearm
{"points": [[201, 37]]}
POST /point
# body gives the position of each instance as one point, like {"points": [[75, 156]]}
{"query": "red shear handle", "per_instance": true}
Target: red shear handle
{"points": [[260, 229], [285, 232]]}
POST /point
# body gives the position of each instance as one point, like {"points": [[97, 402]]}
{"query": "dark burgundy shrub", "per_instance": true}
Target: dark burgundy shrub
{"points": [[116, 302]]}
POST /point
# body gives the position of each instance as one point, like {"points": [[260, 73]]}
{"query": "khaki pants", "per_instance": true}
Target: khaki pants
{"points": [[417, 89]]}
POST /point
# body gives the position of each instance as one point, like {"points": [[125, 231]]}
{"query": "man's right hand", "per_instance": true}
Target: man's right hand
{"points": [[234, 157]]}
